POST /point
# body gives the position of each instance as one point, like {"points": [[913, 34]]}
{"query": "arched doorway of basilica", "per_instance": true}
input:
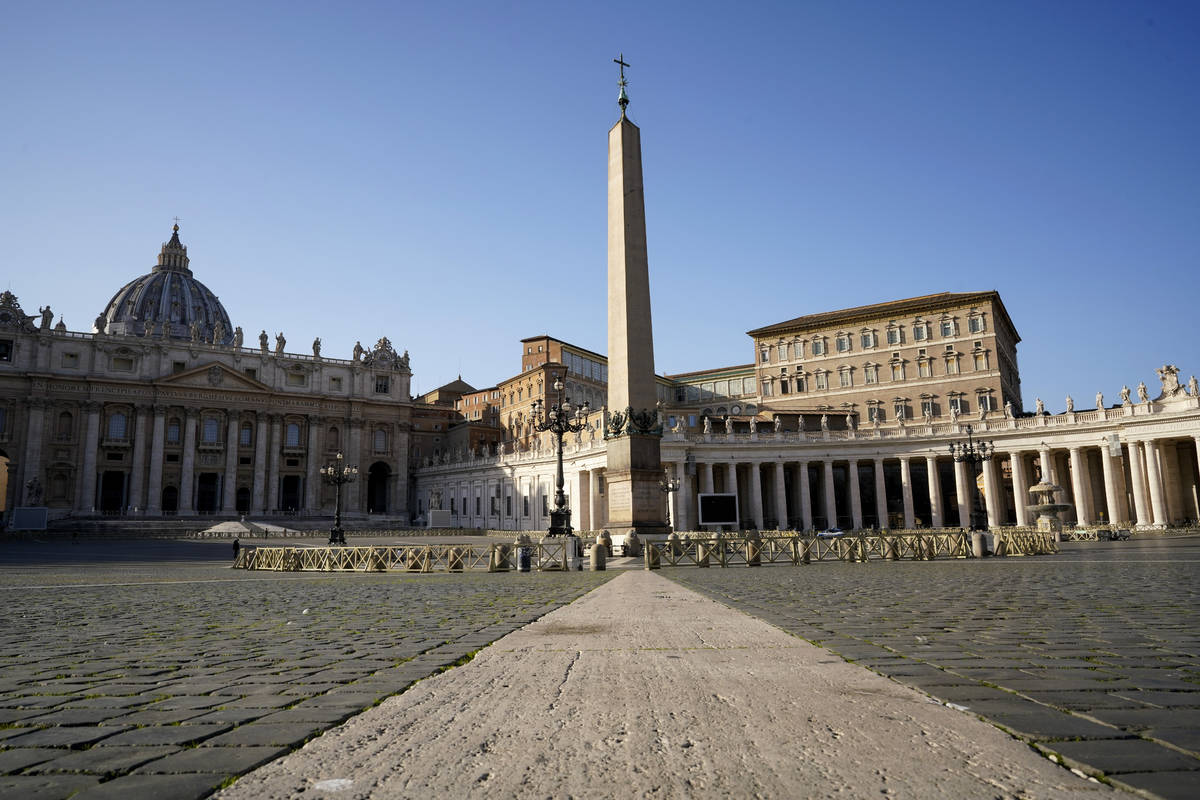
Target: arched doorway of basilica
{"points": [[207, 492], [377, 488], [112, 492], [243, 500], [170, 500], [289, 498]]}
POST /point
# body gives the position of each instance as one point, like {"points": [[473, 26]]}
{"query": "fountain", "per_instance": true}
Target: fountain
{"points": [[1047, 509]]}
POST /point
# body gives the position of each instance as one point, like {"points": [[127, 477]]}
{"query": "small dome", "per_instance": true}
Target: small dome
{"points": [[168, 294]]}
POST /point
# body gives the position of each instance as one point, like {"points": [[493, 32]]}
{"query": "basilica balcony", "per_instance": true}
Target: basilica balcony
{"points": [[110, 441], [210, 447]]}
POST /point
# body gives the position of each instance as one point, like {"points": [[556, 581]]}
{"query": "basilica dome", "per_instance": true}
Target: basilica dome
{"points": [[176, 304]]}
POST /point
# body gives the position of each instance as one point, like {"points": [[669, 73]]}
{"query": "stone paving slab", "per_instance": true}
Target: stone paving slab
{"points": [[1090, 652], [124, 656]]}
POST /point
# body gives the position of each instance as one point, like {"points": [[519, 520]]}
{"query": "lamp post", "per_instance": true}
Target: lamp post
{"points": [[338, 474], [974, 454], [668, 485], [560, 419]]}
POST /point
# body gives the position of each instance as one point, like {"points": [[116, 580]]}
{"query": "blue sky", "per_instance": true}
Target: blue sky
{"points": [[435, 173]]}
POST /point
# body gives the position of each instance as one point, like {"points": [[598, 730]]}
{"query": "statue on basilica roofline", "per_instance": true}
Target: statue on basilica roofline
{"points": [[1008, 409], [147, 327], [1125, 395], [194, 330], [262, 341], [1143, 394], [358, 351], [101, 324], [47, 318], [1039, 407], [238, 337], [753, 426], [280, 343], [954, 413], [983, 411], [728, 424], [824, 422], [1099, 401], [1193, 387], [778, 421], [218, 333], [317, 347], [1070, 404]]}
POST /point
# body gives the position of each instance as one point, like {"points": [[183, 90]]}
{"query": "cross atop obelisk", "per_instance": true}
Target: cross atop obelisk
{"points": [[622, 98], [633, 429]]}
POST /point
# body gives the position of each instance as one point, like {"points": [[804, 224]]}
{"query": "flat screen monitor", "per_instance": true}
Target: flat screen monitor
{"points": [[718, 509]]}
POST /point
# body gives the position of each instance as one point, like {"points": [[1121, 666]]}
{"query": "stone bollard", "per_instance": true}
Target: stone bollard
{"points": [[598, 564], [499, 560], [977, 545], [454, 559], [753, 549], [701, 552], [1001, 546], [633, 544], [651, 553], [605, 539], [673, 544], [891, 548], [524, 546], [806, 552]]}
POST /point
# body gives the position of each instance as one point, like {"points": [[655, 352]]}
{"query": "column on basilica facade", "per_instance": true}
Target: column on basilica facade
{"points": [[1020, 487], [34, 427], [276, 446], [781, 504], [1107, 463], [756, 498], [881, 511], [91, 446], [1079, 482], [962, 488], [137, 470], [935, 491], [353, 496], [906, 488], [187, 502], [229, 481], [991, 493], [258, 501], [1154, 478], [856, 514], [806, 519], [312, 458], [830, 496], [157, 441]]}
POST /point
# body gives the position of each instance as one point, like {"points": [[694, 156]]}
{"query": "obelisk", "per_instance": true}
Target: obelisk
{"points": [[632, 429]]}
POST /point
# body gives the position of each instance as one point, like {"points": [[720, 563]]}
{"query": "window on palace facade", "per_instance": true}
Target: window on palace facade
{"points": [[951, 364], [525, 506], [927, 409], [984, 400], [383, 384], [874, 413], [949, 328], [845, 377], [975, 323], [818, 346], [208, 430], [292, 435], [246, 434], [895, 334], [116, 426], [251, 372], [178, 366], [897, 372], [822, 380], [871, 373], [784, 386], [380, 441], [798, 348], [920, 331], [958, 403], [764, 355], [901, 409], [925, 368], [766, 388], [843, 342], [981, 361], [121, 364], [867, 339]]}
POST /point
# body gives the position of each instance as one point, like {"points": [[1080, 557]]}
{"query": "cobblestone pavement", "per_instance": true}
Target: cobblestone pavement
{"points": [[150, 669], [1092, 656]]}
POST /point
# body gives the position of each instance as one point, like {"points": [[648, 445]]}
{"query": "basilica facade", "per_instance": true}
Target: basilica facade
{"points": [[163, 409]]}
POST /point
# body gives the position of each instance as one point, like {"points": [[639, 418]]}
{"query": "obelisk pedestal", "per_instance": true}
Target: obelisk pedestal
{"points": [[632, 429]]}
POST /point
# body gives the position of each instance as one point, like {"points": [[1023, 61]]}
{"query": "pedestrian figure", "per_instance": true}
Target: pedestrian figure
{"points": [[237, 546]]}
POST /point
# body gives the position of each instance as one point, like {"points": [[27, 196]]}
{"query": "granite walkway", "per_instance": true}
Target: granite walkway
{"points": [[644, 688]]}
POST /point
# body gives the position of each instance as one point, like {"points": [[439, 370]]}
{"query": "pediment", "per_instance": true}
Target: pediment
{"points": [[214, 375]]}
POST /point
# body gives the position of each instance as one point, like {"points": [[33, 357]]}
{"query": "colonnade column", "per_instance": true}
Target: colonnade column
{"points": [[806, 519], [935, 491], [962, 490], [229, 495], [259, 503], [906, 487], [137, 471], [1115, 515], [1020, 488], [1154, 477], [1139, 484], [32, 468], [312, 484], [831, 520], [881, 512], [685, 502], [991, 498], [706, 477], [1047, 464], [756, 503], [1078, 487], [187, 503], [273, 474], [599, 517], [157, 439], [91, 443], [856, 516], [781, 505]]}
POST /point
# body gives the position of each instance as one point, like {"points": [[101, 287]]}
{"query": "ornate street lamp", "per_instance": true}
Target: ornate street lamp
{"points": [[666, 486], [974, 453], [338, 474], [561, 418]]}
